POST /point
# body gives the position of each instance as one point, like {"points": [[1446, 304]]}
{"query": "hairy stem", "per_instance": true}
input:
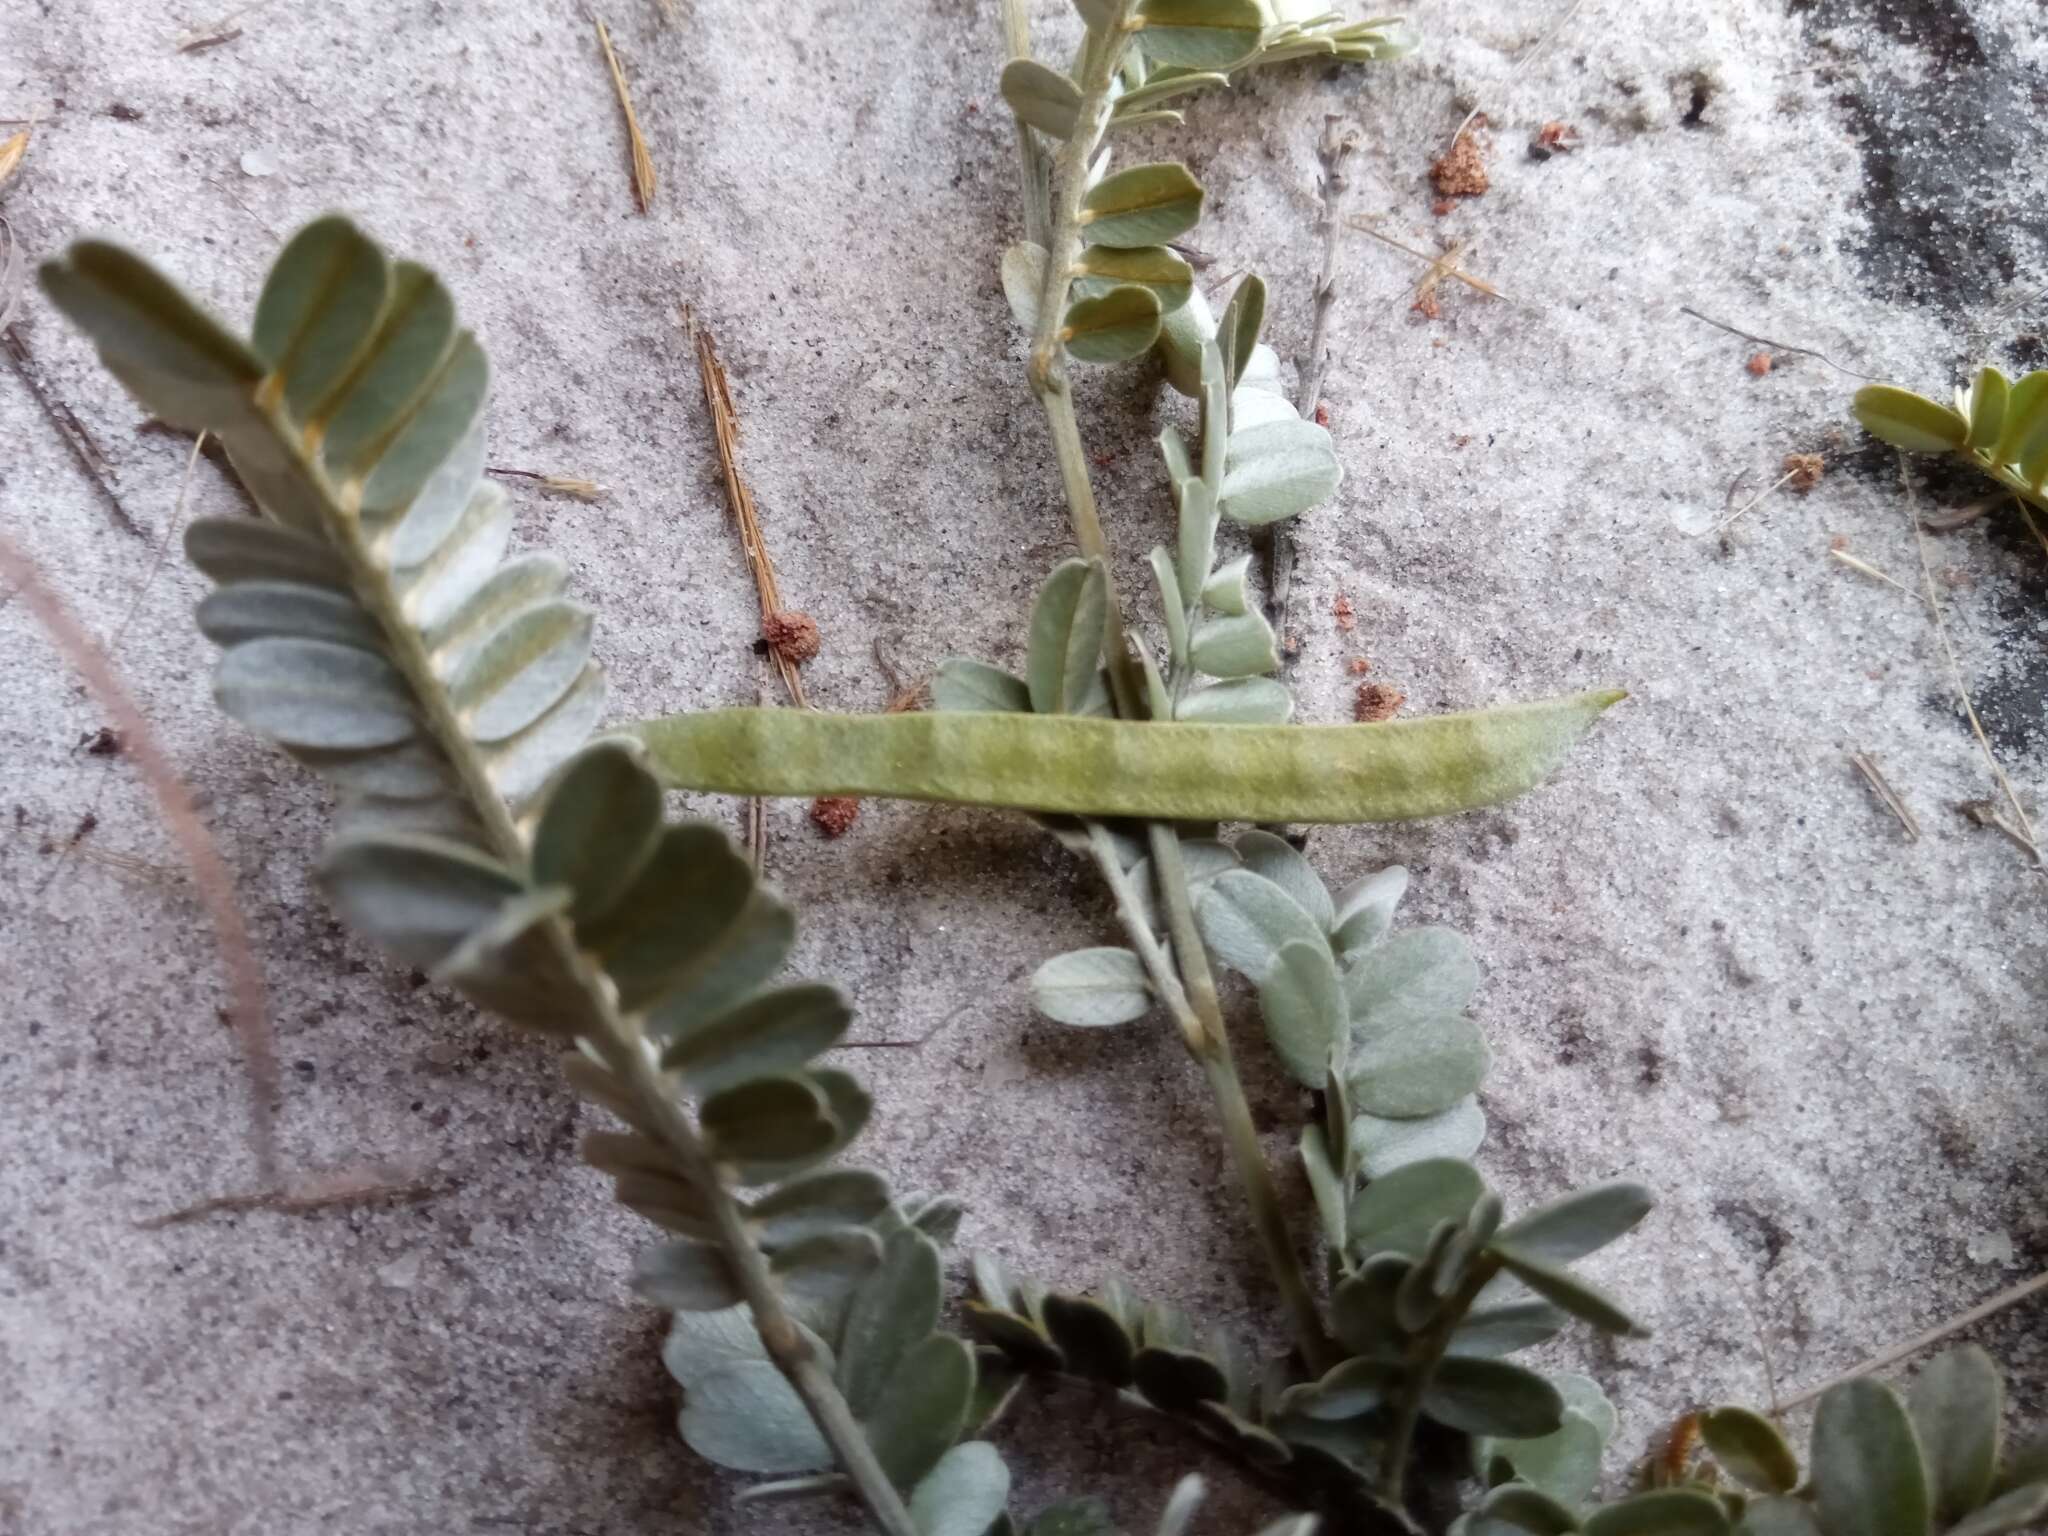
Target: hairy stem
{"points": [[780, 1336], [1425, 1354], [1191, 995], [619, 1042], [1031, 166]]}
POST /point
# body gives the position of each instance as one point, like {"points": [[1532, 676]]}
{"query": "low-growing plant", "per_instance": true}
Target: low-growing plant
{"points": [[1996, 426], [371, 625]]}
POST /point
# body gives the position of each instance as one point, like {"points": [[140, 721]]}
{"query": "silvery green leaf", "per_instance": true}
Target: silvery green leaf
{"points": [[975, 686], [1362, 1307], [1414, 1073], [600, 826], [520, 583], [314, 693], [412, 339], [2016, 1510], [416, 897], [821, 1271], [1502, 1330], [848, 1106], [433, 425], [1354, 1387], [511, 966], [1492, 1397], [521, 767], [1067, 626], [1751, 1449], [1238, 331], [1044, 98], [670, 923], [1152, 267], [1417, 975], [1909, 421], [1582, 1222], [895, 1307], [964, 1494], [1240, 645], [1564, 1464], [440, 815], [253, 610], [1661, 1512], [769, 1033], [1868, 1476], [937, 1217], [1957, 1404], [1241, 701], [232, 549], [1384, 1145], [1200, 34], [408, 533], [519, 673], [171, 355], [1182, 335], [1113, 327], [412, 770], [1196, 543], [324, 292], [922, 1408], [1325, 1183], [1095, 14], [1092, 987], [1252, 408], [1142, 205], [1281, 862], [686, 1276], [1303, 1008], [699, 1343], [1224, 592], [1397, 1212], [1139, 100], [747, 1417], [1024, 281], [1366, 911], [1554, 1283], [815, 1203], [1245, 919], [1204, 858], [455, 571], [1519, 1507], [1278, 470], [1173, 608], [771, 1118]]}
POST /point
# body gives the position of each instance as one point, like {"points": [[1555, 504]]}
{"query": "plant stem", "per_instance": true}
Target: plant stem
{"points": [[1031, 167], [1190, 995], [619, 1041], [780, 1336], [1425, 1354]]}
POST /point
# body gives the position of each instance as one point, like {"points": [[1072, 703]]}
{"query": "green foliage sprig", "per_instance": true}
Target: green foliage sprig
{"points": [[373, 628], [1996, 426]]}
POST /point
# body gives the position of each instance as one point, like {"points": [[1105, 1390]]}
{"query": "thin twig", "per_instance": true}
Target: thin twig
{"points": [[725, 427], [1864, 568], [314, 1195], [1442, 265], [1723, 525], [2011, 1296], [1775, 346], [1523, 63], [2033, 527], [209, 871], [643, 163], [1276, 543], [1955, 668], [1886, 795], [70, 428], [561, 485], [213, 33]]}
